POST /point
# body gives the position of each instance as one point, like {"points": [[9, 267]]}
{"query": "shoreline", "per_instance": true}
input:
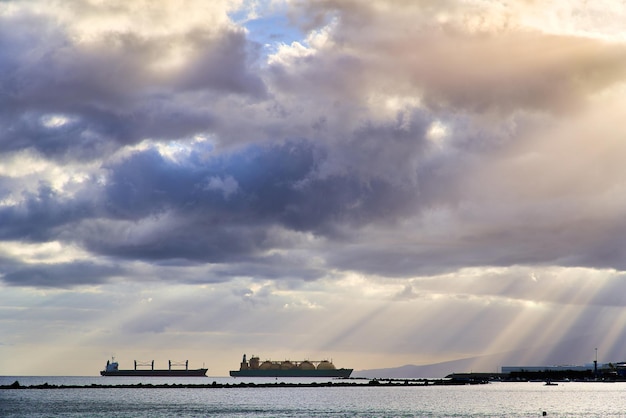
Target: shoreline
{"points": [[214, 385]]}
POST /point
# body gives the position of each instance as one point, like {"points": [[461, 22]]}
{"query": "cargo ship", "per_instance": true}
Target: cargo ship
{"points": [[287, 368], [141, 369]]}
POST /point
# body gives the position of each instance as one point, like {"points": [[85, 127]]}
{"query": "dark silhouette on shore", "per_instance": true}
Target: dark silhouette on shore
{"points": [[340, 383]]}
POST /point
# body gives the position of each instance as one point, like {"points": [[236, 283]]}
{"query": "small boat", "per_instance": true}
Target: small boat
{"points": [[550, 383]]}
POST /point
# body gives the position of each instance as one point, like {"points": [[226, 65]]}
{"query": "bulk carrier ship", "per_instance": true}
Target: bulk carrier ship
{"points": [[287, 368], [112, 369]]}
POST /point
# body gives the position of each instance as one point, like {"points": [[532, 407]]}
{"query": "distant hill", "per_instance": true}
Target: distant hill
{"points": [[573, 351], [411, 371]]}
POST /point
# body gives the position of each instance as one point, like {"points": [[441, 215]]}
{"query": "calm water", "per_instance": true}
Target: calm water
{"points": [[492, 400]]}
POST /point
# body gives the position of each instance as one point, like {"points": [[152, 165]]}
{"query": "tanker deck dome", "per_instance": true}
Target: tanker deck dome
{"points": [[326, 365], [306, 365], [266, 365], [287, 365]]}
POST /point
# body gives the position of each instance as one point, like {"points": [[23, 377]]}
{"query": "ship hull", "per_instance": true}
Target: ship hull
{"points": [[155, 373], [291, 373]]}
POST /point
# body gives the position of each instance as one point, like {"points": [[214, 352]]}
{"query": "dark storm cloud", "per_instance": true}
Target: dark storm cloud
{"points": [[278, 267], [591, 243], [273, 185], [225, 208], [363, 105], [62, 275], [224, 64], [41, 215], [231, 208], [111, 91]]}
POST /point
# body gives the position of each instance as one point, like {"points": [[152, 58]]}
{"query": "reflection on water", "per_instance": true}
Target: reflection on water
{"points": [[495, 399]]}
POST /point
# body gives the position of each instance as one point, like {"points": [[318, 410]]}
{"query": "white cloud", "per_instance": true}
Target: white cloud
{"points": [[227, 185], [48, 252]]}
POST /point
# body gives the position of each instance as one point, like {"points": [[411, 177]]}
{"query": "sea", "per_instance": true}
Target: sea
{"points": [[495, 399]]}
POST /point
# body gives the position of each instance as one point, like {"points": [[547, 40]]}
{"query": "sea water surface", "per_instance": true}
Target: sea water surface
{"points": [[498, 399]]}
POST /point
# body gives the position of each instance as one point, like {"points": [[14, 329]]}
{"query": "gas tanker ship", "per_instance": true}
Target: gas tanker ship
{"points": [[112, 369], [287, 368]]}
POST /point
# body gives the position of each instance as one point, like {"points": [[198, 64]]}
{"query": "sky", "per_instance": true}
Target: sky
{"points": [[379, 183]]}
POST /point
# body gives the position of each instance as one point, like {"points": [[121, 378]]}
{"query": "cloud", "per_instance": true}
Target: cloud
{"points": [[381, 160], [117, 88], [38, 215], [174, 213], [437, 51], [61, 275], [227, 185]]}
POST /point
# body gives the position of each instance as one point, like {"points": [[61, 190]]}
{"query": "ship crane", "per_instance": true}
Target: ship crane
{"points": [[144, 364], [178, 364]]}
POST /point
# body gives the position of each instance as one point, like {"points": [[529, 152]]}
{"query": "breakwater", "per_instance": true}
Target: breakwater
{"points": [[342, 383]]}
